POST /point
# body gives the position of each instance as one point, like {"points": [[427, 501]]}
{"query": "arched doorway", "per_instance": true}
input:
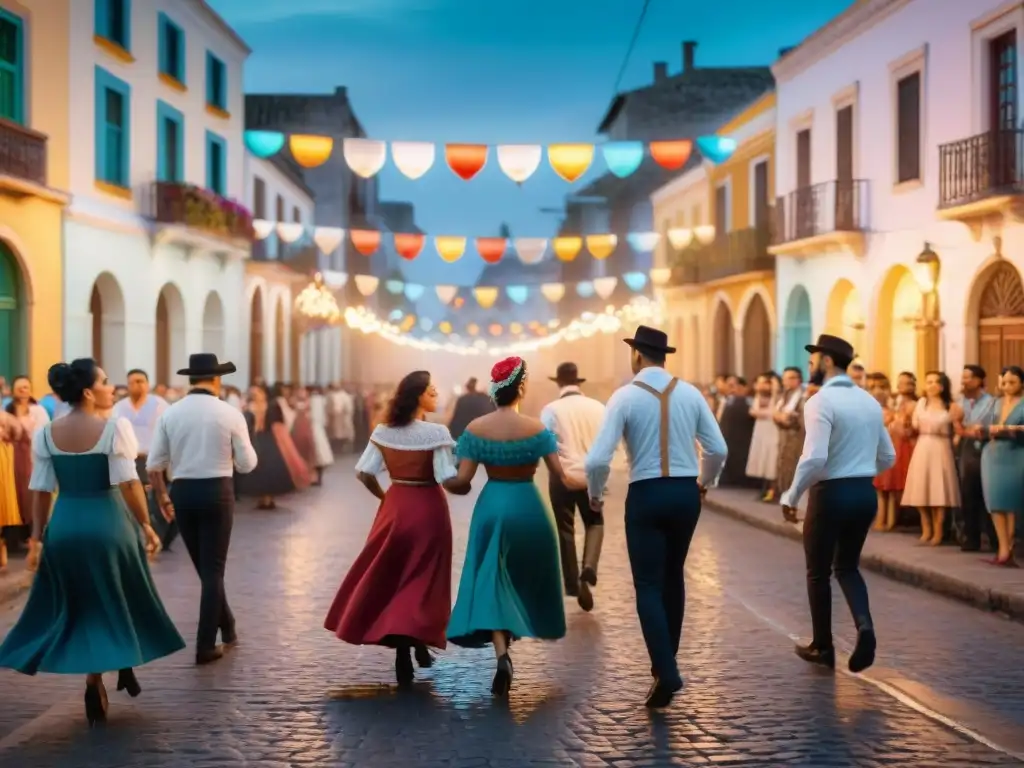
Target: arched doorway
{"points": [[844, 315], [13, 327], [106, 305], [256, 337], [280, 340], [899, 309], [724, 341], [797, 334], [213, 325], [757, 338], [1001, 321], [170, 333]]}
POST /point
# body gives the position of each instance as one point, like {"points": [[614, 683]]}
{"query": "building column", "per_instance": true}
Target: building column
{"points": [[928, 331]]}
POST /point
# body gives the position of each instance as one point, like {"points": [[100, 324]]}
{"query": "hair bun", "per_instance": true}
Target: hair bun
{"points": [[69, 381]]}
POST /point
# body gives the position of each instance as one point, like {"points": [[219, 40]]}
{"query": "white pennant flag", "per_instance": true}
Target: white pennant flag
{"points": [[365, 156], [413, 158], [289, 231], [262, 228], [553, 292], [328, 238], [604, 287], [366, 284], [519, 161], [531, 249], [446, 292], [334, 280]]}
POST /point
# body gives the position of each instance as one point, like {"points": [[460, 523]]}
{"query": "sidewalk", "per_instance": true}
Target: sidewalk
{"points": [[944, 570]]}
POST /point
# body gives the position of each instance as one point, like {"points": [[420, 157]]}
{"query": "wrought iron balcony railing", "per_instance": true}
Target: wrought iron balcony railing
{"points": [[981, 166], [22, 152], [730, 254], [821, 209], [197, 208]]}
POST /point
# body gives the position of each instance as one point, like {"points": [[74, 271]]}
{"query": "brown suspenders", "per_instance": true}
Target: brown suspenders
{"points": [[663, 398]]}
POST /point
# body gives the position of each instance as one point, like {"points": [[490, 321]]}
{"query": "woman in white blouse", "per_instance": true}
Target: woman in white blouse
{"points": [[93, 605]]}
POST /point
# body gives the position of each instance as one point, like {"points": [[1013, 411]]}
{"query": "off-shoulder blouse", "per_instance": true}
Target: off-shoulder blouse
{"points": [[117, 442], [418, 436]]}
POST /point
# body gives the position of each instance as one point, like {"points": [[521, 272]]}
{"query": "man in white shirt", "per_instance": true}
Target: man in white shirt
{"points": [[575, 419], [845, 447], [201, 440], [661, 419]]}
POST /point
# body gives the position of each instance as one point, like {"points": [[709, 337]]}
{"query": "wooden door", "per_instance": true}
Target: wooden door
{"points": [[1001, 322], [760, 217], [844, 170], [1002, 104], [757, 353], [256, 338], [804, 213], [724, 340], [96, 310]]}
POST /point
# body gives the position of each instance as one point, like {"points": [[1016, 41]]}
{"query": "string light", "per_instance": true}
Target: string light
{"points": [[640, 310], [317, 304]]}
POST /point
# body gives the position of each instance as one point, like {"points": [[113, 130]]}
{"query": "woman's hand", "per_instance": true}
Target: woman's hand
{"points": [[35, 552], [153, 545], [166, 508]]}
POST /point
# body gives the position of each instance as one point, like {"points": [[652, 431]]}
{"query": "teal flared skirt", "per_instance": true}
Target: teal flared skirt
{"points": [[512, 578]]}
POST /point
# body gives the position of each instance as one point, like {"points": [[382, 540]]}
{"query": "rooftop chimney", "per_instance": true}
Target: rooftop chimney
{"points": [[660, 71], [689, 48]]}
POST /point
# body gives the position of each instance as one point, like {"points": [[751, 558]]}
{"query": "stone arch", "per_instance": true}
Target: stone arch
{"points": [[170, 333], [280, 342], [213, 325], [995, 319], [757, 335], [14, 317], [256, 337], [844, 315], [797, 330], [106, 306], [897, 312], [724, 339]]}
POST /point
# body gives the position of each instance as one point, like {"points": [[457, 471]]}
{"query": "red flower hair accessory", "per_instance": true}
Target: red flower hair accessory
{"points": [[505, 372]]}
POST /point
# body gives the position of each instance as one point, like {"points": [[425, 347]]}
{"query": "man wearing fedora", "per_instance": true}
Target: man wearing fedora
{"points": [[662, 419], [845, 446], [200, 441], [575, 420]]}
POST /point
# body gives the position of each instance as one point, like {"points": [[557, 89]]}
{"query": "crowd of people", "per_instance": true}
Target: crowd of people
{"points": [[958, 477]]}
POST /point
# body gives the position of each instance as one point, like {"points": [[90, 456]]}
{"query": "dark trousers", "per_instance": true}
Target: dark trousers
{"points": [[564, 504], [973, 518], [839, 515], [661, 516], [205, 511], [167, 531]]}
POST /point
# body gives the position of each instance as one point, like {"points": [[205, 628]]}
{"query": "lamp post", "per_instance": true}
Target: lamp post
{"points": [[929, 327]]}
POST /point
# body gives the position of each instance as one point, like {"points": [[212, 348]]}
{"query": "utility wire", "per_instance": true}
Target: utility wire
{"points": [[632, 45]]}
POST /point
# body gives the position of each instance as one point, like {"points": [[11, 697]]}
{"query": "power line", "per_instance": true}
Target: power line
{"points": [[632, 45]]}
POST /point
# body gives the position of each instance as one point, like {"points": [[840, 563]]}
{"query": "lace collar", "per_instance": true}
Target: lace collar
{"points": [[418, 436]]}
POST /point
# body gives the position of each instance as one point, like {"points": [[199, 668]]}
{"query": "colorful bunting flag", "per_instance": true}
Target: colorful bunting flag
{"points": [[327, 239], [716, 149], [310, 151], [602, 246], [519, 161], [366, 241], [264, 144], [485, 296], [567, 248], [570, 161], [365, 156], [553, 292], [366, 284], [413, 158], [290, 231], [409, 244], [623, 157], [466, 160], [413, 292], [450, 248], [445, 293], [531, 249], [604, 287], [671, 155], [491, 249], [517, 293], [585, 289]]}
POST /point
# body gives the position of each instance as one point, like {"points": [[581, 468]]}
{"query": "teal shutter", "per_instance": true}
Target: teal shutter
{"points": [[163, 60], [100, 127], [113, 129], [209, 78], [102, 18], [12, 77], [182, 65]]}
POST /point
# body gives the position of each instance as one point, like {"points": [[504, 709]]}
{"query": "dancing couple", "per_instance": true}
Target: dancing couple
{"points": [[398, 592]]}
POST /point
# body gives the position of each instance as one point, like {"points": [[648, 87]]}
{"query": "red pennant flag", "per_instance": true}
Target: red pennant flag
{"points": [[671, 155], [409, 244], [366, 241], [491, 249], [466, 160]]}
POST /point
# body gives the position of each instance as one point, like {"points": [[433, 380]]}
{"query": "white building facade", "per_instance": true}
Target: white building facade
{"points": [[899, 133], [279, 347], [155, 247]]}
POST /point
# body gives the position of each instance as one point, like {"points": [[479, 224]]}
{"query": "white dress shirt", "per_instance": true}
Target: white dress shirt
{"points": [[575, 419], [201, 437], [635, 414], [142, 419], [845, 437]]}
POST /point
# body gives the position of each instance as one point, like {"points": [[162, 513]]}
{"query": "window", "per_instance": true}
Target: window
{"points": [[113, 129], [216, 163], [12, 77], [760, 192], [908, 128], [296, 215], [844, 144], [172, 49], [113, 22], [722, 210], [170, 142], [803, 159], [696, 216], [216, 82], [279, 212], [259, 198]]}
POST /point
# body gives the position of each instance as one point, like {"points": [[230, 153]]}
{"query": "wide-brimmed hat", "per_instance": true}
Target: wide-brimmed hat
{"points": [[567, 374], [648, 339], [206, 364], [832, 345]]}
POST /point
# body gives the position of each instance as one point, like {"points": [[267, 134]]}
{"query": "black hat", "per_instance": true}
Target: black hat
{"points": [[206, 364], [832, 345], [567, 374], [650, 340]]}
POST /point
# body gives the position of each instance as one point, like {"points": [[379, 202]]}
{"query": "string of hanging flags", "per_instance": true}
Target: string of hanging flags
{"points": [[366, 157]]}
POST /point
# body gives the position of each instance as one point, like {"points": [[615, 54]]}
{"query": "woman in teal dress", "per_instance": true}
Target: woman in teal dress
{"points": [[93, 605], [1002, 464], [511, 584]]}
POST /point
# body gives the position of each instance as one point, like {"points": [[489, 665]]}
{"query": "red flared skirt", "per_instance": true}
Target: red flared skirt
{"points": [[400, 586], [894, 479]]}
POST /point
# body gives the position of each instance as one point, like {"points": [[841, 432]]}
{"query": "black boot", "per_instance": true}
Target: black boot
{"points": [[592, 543], [863, 655], [403, 667]]}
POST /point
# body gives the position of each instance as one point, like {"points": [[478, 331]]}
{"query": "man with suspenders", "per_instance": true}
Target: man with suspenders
{"points": [[661, 419]]}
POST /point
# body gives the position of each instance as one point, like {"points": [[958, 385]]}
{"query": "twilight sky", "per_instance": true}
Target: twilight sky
{"points": [[529, 71]]}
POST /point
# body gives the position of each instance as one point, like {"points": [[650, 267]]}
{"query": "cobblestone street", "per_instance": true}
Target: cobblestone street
{"points": [[948, 689]]}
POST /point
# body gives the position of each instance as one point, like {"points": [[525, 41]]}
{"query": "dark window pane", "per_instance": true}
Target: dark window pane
{"points": [[908, 127], [115, 108]]}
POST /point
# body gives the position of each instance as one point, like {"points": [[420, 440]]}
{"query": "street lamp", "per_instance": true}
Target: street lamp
{"points": [[927, 268], [929, 342]]}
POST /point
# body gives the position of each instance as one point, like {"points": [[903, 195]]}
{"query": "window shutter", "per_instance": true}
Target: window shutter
{"points": [[102, 18]]}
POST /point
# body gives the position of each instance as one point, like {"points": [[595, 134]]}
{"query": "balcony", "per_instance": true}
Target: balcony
{"points": [[831, 217], [732, 254], [22, 159], [197, 219], [981, 176]]}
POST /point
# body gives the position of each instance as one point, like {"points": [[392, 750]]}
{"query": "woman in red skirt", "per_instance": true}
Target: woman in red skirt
{"points": [[398, 592]]}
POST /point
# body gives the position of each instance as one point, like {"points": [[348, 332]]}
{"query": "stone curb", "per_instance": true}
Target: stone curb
{"points": [[949, 586]]}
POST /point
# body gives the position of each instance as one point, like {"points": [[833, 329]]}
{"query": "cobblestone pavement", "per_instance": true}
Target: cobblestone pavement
{"points": [[292, 695]]}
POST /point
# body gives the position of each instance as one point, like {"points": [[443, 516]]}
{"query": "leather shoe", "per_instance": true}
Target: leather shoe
{"points": [[660, 695], [863, 655], [824, 657], [209, 655]]}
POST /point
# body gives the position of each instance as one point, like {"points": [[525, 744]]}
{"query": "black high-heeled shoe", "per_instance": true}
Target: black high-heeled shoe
{"points": [[502, 682], [403, 668], [126, 681], [424, 658], [95, 703]]}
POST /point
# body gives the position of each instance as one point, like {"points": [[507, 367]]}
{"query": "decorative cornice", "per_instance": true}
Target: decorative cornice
{"points": [[851, 23]]}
